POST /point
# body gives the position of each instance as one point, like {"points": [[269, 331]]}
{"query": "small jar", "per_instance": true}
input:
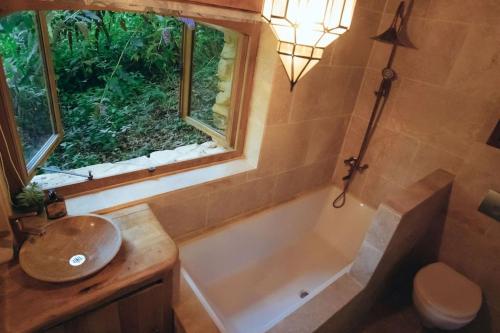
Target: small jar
{"points": [[55, 205]]}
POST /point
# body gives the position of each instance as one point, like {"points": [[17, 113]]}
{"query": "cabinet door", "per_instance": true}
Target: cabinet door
{"points": [[141, 312]]}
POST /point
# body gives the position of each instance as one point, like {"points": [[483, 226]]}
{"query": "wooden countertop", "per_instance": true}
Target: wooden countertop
{"points": [[147, 252]]}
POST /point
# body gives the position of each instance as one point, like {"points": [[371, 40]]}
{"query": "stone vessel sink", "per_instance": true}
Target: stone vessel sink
{"points": [[71, 248]]}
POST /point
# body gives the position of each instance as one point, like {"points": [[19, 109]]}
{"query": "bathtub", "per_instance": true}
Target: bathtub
{"points": [[253, 273]]}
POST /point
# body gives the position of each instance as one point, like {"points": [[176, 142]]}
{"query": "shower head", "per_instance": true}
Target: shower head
{"points": [[396, 34]]}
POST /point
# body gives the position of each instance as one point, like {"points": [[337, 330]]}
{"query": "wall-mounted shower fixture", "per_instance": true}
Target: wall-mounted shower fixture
{"points": [[397, 36]]}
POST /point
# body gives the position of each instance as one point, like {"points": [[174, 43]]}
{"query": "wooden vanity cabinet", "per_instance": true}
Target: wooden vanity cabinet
{"points": [[132, 294], [144, 311]]}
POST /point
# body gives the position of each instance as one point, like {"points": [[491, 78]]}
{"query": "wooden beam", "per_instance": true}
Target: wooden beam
{"points": [[176, 8]]}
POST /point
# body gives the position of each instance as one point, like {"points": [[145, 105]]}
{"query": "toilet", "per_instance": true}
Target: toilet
{"points": [[444, 298]]}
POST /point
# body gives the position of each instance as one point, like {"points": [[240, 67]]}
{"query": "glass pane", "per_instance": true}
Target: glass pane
{"points": [[24, 68], [214, 58], [118, 78]]}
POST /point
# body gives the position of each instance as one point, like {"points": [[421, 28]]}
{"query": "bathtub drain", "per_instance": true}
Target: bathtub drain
{"points": [[303, 293]]}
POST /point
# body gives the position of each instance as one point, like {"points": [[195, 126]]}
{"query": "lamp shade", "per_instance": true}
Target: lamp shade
{"points": [[304, 28]]}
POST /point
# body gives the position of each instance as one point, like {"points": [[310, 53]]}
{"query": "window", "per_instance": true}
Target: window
{"points": [[97, 98], [25, 66]]}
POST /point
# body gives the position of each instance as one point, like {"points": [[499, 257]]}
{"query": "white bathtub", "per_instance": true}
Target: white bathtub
{"points": [[251, 274]]}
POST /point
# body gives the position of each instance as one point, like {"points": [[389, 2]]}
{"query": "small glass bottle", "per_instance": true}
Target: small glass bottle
{"points": [[55, 205]]}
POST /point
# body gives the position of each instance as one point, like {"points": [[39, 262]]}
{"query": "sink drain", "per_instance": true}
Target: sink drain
{"points": [[303, 293], [77, 260]]}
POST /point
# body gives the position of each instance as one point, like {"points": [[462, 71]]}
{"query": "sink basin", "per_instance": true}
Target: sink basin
{"points": [[71, 248]]}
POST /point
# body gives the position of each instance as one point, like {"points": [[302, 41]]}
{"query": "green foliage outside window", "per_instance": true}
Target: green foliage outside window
{"points": [[118, 80]]}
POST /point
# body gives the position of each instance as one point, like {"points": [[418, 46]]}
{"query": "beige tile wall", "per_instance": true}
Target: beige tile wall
{"points": [[441, 112], [302, 133]]}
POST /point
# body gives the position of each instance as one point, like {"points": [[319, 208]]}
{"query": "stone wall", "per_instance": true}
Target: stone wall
{"points": [[225, 74]]}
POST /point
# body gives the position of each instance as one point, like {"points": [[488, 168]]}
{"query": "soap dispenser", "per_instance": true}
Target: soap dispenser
{"points": [[55, 205]]}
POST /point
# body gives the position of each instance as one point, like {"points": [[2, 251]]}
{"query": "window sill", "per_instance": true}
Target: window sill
{"points": [[106, 200]]}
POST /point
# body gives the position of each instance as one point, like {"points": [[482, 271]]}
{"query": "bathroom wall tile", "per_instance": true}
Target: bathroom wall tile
{"points": [[320, 93], [223, 183], [489, 275], [354, 47], [391, 155], [483, 157], [467, 252], [267, 62], [230, 202], [478, 73], [444, 118], [429, 158], [376, 5], [420, 7], [289, 184], [285, 146], [436, 185], [469, 11], [319, 173], [253, 141], [472, 184], [353, 87], [180, 216], [326, 138], [376, 188], [328, 55], [279, 107]]}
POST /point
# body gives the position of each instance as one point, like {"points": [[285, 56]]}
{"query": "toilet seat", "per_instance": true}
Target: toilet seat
{"points": [[445, 297]]}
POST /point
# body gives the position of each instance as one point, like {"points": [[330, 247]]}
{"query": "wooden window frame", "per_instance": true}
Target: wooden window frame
{"points": [[27, 169], [242, 83], [227, 139]]}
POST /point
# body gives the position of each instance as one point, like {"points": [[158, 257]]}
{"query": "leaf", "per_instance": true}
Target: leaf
{"points": [[84, 29]]}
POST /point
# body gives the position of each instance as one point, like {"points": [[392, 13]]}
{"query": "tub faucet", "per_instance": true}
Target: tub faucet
{"points": [[354, 165]]}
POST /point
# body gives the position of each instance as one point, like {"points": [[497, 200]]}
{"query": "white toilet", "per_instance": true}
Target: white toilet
{"points": [[444, 298]]}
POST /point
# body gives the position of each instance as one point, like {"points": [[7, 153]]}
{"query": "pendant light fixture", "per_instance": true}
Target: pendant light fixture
{"points": [[304, 28]]}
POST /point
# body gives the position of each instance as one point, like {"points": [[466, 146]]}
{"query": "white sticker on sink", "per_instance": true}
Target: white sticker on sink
{"points": [[77, 260]]}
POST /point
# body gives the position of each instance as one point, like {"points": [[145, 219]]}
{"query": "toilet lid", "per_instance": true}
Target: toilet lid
{"points": [[448, 291]]}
